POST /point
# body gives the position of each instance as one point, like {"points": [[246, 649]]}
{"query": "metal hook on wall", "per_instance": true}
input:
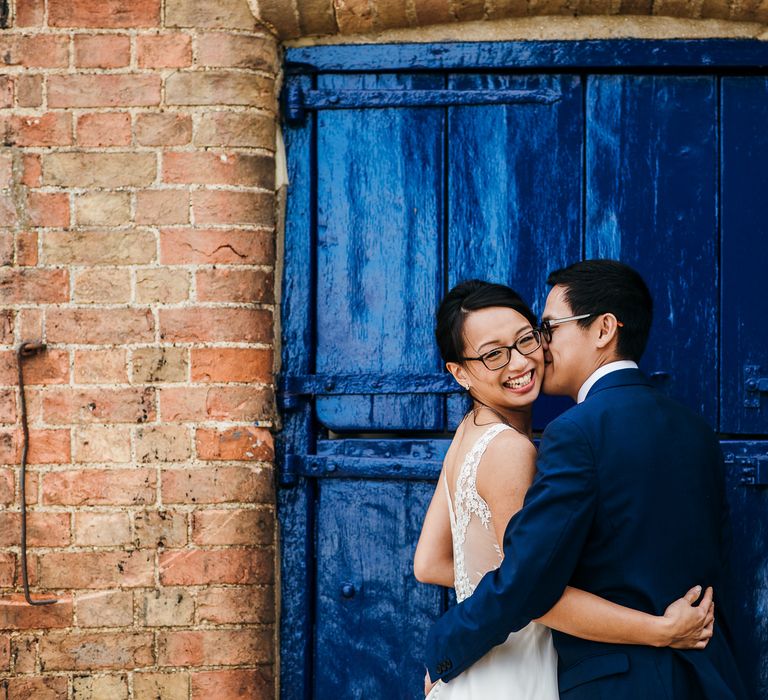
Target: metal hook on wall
{"points": [[26, 350]]}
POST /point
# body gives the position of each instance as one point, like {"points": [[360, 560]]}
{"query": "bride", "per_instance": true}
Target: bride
{"points": [[489, 341]]}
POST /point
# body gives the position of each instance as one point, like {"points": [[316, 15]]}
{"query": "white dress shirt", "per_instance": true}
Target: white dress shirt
{"points": [[601, 372]]}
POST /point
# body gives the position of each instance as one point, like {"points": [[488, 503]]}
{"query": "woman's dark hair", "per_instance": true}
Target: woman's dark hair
{"points": [[609, 286], [465, 297]]}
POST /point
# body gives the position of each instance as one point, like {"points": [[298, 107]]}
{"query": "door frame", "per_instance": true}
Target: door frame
{"points": [[296, 492]]}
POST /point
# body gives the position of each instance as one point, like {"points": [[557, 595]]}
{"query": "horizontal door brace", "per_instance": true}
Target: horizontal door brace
{"points": [[308, 385], [753, 469], [341, 466], [297, 102]]}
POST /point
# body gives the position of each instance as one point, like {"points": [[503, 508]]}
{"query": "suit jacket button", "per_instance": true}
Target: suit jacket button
{"points": [[448, 664]]}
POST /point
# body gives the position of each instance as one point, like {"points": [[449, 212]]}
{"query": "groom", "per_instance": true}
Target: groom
{"points": [[628, 503]]}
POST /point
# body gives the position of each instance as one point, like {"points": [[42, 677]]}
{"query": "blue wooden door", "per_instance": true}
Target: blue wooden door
{"points": [[408, 176]]}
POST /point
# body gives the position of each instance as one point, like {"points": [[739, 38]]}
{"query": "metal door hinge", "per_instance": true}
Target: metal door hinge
{"points": [[753, 469], [754, 385], [296, 102]]}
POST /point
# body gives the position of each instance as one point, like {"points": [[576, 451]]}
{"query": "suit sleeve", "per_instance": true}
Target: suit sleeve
{"points": [[542, 545]]}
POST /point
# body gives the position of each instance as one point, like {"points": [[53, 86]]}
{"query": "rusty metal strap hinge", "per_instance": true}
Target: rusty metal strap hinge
{"points": [[297, 102]]}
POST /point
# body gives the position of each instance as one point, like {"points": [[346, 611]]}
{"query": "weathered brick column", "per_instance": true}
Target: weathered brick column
{"points": [[137, 241]]}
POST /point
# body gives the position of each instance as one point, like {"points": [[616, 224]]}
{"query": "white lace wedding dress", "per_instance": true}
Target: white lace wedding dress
{"points": [[524, 667]]}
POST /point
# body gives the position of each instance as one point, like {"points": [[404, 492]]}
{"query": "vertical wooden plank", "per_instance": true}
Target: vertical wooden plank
{"points": [[295, 502], [652, 203], [372, 614], [744, 251], [514, 192], [380, 178], [747, 579]]}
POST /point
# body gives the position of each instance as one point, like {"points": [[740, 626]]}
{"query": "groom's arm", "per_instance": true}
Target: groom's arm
{"points": [[542, 545]]}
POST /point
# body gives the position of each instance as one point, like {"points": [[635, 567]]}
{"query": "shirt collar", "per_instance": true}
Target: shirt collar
{"points": [[601, 372]]}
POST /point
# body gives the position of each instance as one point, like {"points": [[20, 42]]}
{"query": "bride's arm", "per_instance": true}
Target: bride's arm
{"points": [[505, 473], [585, 615], [433, 560]]}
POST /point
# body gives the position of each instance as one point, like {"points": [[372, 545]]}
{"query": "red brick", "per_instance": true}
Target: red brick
{"points": [[163, 443], [224, 50], [104, 129], [236, 129], [45, 446], [228, 403], [49, 129], [106, 14], [224, 14], [163, 129], [219, 324], [35, 51], [7, 323], [220, 87], [164, 51], [49, 367], [29, 90], [243, 286], [227, 207], [101, 366], [122, 90], [65, 651], [5, 652], [102, 529], [222, 606], [16, 614], [102, 50], [231, 365], [8, 214], [99, 170], [30, 323], [104, 609], [216, 246], [99, 569], [160, 528], [26, 248], [214, 647], [6, 170], [162, 207], [24, 653], [233, 684], [242, 443], [102, 285], [8, 406], [133, 247], [98, 405], [7, 569], [7, 494], [49, 209], [32, 175], [167, 686], [102, 444], [100, 326], [39, 688], [209, 168], [189, 567], [6, 248], [233, 526], [217, 485], [30, 13], [33, 285], [6, 91], [44, 529], [95, 487], [10, 446]]}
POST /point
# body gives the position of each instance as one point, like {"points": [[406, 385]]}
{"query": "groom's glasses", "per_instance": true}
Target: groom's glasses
{"points": [[499, 357], [548, 326]]}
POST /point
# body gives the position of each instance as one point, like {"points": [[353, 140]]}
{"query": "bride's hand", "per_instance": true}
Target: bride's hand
{"points": [[689, 626]]}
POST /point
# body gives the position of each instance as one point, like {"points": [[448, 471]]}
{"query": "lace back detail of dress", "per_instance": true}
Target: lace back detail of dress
{"points": [[475, 549]]}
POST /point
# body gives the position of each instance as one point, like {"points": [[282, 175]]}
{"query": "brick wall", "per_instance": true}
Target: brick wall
{"points": [[137, 241]]}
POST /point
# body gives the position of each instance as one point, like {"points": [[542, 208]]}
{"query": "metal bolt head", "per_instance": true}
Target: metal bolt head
{"points": [[348, 591]]}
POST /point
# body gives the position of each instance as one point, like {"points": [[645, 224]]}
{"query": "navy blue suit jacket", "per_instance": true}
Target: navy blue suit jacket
{"points": [[628, 503]]}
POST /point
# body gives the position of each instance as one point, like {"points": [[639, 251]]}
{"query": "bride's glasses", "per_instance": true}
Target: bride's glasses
{"points": [[499, 357]]}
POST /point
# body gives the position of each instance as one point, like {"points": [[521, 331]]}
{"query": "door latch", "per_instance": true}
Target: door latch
{"points": [[754, 385]]}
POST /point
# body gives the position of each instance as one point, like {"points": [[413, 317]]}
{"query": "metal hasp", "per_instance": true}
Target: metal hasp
{"points": [[26, 350], [296, 102]]}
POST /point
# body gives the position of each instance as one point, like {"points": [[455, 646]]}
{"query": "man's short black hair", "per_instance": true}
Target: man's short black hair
{"points": [[609, 286]]}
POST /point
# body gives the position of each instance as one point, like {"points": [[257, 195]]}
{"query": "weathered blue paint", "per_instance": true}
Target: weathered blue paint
{"points": [[744, 252], [378, 233], [651, 169], [388, 207], [534, 55]]}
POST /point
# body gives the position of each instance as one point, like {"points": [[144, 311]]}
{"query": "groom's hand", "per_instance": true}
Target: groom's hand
{"points": [[428, 684]]}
